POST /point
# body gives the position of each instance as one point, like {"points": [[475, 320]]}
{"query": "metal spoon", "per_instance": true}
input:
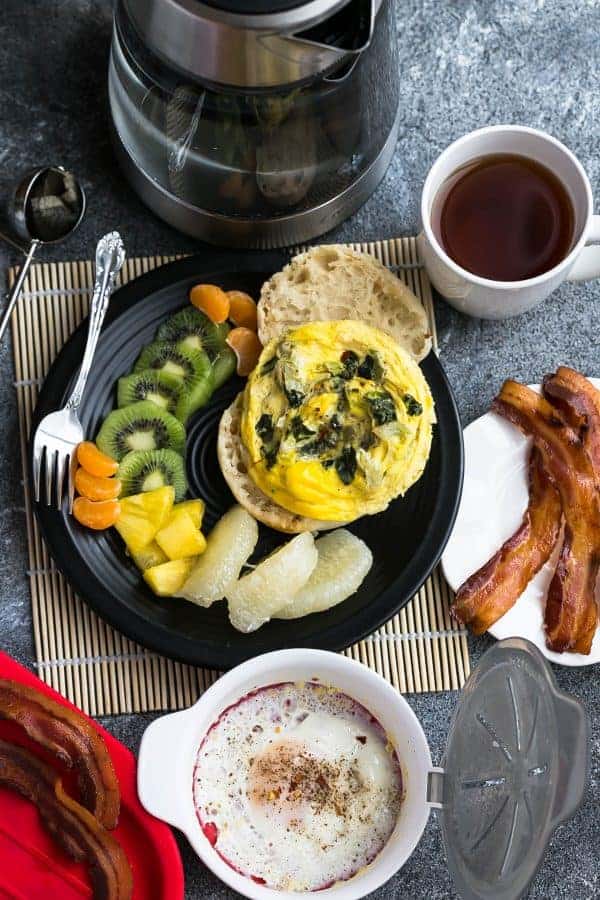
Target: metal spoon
{"points": [[48, 204]]}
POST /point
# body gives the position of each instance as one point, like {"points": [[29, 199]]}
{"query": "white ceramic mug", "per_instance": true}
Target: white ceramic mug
{"points": [[484, 297]]}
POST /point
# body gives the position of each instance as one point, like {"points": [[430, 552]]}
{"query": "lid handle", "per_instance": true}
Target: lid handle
{"points": [[573, 737], [435, 788]]}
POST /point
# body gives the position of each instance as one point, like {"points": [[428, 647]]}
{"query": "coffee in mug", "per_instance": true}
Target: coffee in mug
{"points": [[505, 217]]}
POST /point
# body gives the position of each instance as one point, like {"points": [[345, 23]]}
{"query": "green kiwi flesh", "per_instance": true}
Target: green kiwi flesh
{"points": [[224, 366], [150, 384], [140, 426], [148, 470], [190, 328], [192, 367]]}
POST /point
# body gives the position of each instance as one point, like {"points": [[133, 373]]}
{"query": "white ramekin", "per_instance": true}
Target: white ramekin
{"points": [[169, 747]]}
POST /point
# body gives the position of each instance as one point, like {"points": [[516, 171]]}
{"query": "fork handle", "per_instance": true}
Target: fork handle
{"points": [[110, 255]]}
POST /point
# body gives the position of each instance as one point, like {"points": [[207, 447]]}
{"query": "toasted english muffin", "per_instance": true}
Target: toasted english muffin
{"points": [[334, 282], [232, 459]]}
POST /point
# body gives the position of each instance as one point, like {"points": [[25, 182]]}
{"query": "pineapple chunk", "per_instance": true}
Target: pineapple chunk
{"points": [[150, 556], [180, 537], [166, 579], [156, 505], [194, 508], [142, 515]]}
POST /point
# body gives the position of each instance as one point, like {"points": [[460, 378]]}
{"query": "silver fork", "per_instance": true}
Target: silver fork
{"points": [[59, 433]]}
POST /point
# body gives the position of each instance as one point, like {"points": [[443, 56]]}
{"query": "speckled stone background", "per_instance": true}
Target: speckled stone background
{"points": [[464, 63]]}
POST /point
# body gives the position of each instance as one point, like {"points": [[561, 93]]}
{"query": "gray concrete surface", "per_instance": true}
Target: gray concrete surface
{"points": [[464, 63]]}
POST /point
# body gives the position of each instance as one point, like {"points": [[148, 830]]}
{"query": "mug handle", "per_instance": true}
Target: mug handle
{"points": [[587, 264]]}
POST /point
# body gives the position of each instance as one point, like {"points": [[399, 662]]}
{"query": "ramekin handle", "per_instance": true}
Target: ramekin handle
{"points": [[163, 770]]}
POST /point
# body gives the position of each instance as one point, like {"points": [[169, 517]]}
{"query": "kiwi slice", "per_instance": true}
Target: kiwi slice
{"points": [[192, 367], [148, 470], [159, 387], [224, 366], [192, 329], [140, 426]]}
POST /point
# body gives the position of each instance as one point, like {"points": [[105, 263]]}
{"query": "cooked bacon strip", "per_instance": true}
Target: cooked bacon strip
{"points": [[498, 584], [76, 830], [69, 736], [579, 403], [571, 612]]}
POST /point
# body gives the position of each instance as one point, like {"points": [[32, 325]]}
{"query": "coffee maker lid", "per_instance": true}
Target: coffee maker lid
{"points": [[253, 45], [515, 767]]}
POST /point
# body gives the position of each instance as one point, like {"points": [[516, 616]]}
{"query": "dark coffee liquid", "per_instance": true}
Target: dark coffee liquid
{"points": [[504, 217]]}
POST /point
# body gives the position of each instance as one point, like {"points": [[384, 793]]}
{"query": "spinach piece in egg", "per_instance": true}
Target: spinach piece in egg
{"points": [[382, 407], [413, 407], [345, 465], [269, 446], [350, 363], [294, 397], [300, 431], [268, 366], [264, 428], [371, 367]]}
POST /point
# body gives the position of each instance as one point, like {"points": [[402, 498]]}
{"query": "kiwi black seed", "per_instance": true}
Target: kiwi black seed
{"points": [[159, 387], [148, 470], [140, 426], [224, 366], [192, 329]]}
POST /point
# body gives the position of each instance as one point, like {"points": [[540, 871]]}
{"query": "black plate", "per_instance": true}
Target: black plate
{"points": [[407, 539]]}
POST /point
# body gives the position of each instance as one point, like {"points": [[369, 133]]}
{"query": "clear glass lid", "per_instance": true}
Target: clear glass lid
{"points": [[515, 767]]}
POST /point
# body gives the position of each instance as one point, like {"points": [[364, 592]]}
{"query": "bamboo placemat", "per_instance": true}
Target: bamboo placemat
{"points": [[103, 672]]}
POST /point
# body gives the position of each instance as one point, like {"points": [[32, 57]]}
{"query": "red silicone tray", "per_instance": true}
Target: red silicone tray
{"points": [[33, 867]]}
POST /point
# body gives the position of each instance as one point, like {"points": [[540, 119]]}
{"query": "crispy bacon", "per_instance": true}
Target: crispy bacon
{"points": [[76, 830], [571, 612], [579, 404], [68, 736], [498, 584]]}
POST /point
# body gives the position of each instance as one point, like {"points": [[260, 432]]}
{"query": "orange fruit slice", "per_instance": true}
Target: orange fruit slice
{"points": [[210, 300], [94, 461], [247, 348], [94, 487], [242, 309], [97, 515]]}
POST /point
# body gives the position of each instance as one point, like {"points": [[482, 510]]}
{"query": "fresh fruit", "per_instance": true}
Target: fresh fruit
{"points": [[142, 515], [210, 300], [192, 367], [149, 556], [247, 348], [140, 426], [224, 365], [95, 487], [94, 461], [197, 391], [159, 387], [242, 309], [165, 580], [256, 597], [194, 508], [343, 564], [96, 515], [192, 329], [229, 545], [148, 470], [181, 538]]}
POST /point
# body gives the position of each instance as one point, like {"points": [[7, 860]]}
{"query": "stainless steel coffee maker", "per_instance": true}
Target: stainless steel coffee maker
{"points": [[252, 123]]}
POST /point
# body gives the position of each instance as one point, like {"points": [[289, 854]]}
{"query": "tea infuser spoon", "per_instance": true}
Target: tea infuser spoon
{"points": [[47, 206]]}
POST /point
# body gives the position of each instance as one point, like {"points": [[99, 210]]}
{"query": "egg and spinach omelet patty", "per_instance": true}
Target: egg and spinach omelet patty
{"points": [[337, 420]]}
